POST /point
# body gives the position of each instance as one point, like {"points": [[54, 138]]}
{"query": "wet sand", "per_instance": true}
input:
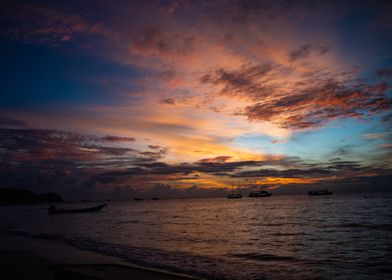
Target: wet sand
{"points": [[27, 258]]}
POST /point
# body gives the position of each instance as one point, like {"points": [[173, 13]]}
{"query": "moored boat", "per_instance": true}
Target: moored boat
{"points": [[52, 210], [320, 192], [259, 193], [234, 195]]}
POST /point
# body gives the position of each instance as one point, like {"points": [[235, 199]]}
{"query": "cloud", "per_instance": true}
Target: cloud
{"points": [[53, 147], [385, 73], [306, 101], [315, 105], [154, 41], [164, 191], [386, 145], [112, 138], [203, 65], [380, 135], [6, 122], [219, 159], [170, 101], [244, 82], [305, 51], [289, 173], [31, 22], [81, 165]]}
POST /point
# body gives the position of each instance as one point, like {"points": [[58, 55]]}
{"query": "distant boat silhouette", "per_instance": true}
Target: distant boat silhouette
{"points": [[320, 192], [259, 193], [52, 210], [138, 199], [234, 195]]}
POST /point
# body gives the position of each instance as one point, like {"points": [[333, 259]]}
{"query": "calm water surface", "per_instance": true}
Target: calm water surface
{"points": [[281, 237]]}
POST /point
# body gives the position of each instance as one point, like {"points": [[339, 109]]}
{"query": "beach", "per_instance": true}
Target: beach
{"points": [[28, 258]]}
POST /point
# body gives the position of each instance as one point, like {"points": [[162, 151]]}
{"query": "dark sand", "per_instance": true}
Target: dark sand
{"points": [[27, 258]]}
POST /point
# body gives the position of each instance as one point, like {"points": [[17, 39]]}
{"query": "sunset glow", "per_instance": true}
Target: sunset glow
{"points": [[104, 100]]}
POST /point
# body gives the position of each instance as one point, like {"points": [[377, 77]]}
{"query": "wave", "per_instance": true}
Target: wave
{"points": [[37, 235], [128, 222], [290, 234], [264, 224], [177, 262], [172, 261], [387, 227], [264, 257]]}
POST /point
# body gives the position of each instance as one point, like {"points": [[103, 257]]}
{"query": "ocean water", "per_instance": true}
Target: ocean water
{"points": [[281, 237]]}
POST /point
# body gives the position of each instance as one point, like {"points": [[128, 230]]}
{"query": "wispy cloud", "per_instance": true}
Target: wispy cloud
{"points": [[307, 50]]}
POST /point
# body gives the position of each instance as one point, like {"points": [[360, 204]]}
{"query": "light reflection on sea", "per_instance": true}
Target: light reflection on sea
{"points": [[281, 237]]}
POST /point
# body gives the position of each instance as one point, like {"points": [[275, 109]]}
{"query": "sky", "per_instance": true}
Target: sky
{"points": [[118, 99]]}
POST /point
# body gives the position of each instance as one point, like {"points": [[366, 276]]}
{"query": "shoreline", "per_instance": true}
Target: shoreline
{"points": [[30, 258]]}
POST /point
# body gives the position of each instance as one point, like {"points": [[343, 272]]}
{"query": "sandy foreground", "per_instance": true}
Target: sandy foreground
{"points": [[27, 258]]}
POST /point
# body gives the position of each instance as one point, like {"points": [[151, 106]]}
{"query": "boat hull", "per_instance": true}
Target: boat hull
{"points": [[74, 211], [260, 195], [234, 196], [317, 193]]}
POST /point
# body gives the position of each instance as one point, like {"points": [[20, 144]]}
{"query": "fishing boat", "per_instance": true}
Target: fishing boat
{"points": [[320, 192], [234, 195], [259, 193], [52, 210]]}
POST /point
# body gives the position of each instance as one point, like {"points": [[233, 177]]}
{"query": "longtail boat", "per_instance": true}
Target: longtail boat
{"points": [[52, 210]]}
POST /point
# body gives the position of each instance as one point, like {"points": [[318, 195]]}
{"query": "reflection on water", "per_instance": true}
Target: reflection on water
{"points": [[290, 237]]}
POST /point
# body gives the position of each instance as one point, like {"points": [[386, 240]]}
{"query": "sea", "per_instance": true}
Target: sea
{"points": [[341, 236]]}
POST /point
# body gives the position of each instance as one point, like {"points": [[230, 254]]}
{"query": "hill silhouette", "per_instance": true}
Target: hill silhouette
{"points": [[22, 196]]}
